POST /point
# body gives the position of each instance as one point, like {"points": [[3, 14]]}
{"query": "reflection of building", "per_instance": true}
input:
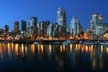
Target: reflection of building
{"points": [[16, 26], [97, 24], [23, 25], [75, 26], [61, 17]]}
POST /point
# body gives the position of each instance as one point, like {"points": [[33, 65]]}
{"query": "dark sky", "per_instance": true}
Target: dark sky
{"points": [[16, 10]]}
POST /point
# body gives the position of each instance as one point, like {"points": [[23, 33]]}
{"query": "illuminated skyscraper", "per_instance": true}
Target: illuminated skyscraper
{"points": [[44, 27], [54, 30], [61, 17], [96, 22], [23, 25], [6, 28], [105, 25], [32, 24], [75, 26], [49, 30], [16, 26]]}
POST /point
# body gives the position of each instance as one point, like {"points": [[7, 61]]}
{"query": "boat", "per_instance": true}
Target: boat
{"points": [[35, 42], [56, 42], [90, 43], [66, 43], [104, 43]]}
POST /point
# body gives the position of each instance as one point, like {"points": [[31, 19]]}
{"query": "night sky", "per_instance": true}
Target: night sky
{"points": [[16, 10]]}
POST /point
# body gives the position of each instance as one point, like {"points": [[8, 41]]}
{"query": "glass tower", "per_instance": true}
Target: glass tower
{"points": [[6, 28], [74, 26], [32, 24], [23, 25], [16, 26], [49, 30], [97, 24], [61, 17]]}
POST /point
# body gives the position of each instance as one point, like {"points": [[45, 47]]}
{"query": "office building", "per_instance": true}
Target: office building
{"points": [[32, 24], [96, 22], [105, 25], [75, 26], [44, 27], [23, 25], [49, 30], [16, 26], [6, 28], [61, 17]]}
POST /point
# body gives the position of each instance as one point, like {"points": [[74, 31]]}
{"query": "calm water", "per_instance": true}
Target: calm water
{"points": [[53, 57]]}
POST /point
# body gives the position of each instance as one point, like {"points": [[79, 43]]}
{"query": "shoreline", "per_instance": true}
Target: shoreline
{"points": [[51, 41]]}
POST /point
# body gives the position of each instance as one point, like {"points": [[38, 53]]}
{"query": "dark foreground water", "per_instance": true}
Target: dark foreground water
{"points": [[53, 58]]}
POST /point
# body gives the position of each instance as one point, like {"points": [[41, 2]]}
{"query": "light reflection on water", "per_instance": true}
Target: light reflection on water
{"points": [[59, 56]]}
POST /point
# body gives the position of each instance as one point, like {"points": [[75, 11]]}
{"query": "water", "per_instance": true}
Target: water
{"points": [[53, 58]]}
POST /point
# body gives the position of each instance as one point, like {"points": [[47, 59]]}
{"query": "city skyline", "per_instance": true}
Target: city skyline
{"points": [[46, 10], [60, 20], [48, 30]]}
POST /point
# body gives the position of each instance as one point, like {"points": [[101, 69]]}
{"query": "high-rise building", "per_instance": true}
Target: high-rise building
{"points": [[55, 30], [49, 30], [23, 25], [6, 28], [105, 25], [61, 17], [16, 26], [44, 27], [75, 26], [32, 24], [1, 31], [96, 22], [39, 28]]}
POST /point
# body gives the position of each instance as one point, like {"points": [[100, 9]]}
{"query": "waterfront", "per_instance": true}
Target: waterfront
{"points": [[53, 57]]}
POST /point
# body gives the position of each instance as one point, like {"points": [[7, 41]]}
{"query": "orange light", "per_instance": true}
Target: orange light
{"points": [[16, 49], [101, 48], [106, 50], [41, 46], [86, 49], [70, 47], [22, 49], [33, 49], [50, 48], [61, 48]]}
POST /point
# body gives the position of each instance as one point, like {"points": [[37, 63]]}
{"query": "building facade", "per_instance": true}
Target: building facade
{"points": [[49, 30], [61, 17], [75, 26], [23, 25], [32, 24], [105, 27], [96, 22], [16, 26], [6, 28]]}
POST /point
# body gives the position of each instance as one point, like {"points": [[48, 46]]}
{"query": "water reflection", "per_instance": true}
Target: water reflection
{"points": [[1, 52], [57, 55]]}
